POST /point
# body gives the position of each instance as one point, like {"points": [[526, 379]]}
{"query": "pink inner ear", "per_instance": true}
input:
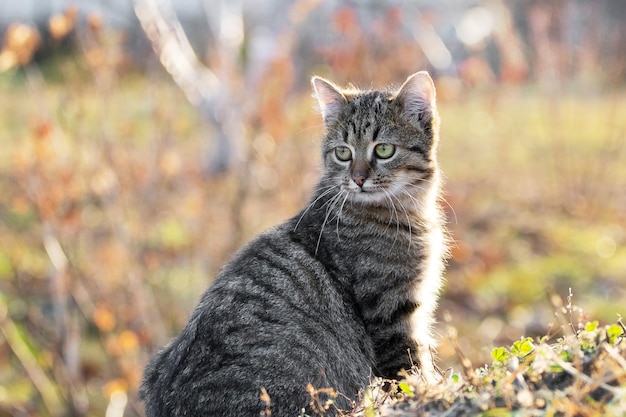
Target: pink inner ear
{"points": [[418, 89], [417, 97], [328, 96]]}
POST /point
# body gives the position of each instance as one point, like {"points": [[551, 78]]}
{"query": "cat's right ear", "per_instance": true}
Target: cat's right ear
{"points": [[416, 98], [329, 97]]}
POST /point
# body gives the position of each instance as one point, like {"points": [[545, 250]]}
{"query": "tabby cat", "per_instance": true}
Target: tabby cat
{"points": [[344, 290]]}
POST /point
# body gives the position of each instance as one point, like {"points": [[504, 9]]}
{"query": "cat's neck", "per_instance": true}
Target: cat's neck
{"points": [[416, 205], [332, 222]]}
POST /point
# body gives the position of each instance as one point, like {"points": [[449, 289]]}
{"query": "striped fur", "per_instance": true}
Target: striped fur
{"points": [[342, 291]]}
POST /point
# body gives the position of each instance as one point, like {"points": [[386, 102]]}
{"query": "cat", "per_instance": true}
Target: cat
{"points": [[344, 290]]}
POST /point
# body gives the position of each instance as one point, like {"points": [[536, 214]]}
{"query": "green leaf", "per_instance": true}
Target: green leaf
{"points": [[556, 368], [406, 388], [455, 378], [497, 412], [591, 326], [566, 355], [522, 347], [500, 354], [613, 332]]}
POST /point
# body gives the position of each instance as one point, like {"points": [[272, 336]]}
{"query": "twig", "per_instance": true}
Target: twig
{"points": [[614, 354], [621, 323], [583, 377], [201, 86], [16, 341]]}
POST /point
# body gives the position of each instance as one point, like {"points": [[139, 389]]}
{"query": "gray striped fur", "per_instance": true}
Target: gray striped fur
{"points": [[342, 291]]}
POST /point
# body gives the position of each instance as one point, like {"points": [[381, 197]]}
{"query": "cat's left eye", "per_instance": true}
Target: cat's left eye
{"points": [[384, 150], [343, 153]]}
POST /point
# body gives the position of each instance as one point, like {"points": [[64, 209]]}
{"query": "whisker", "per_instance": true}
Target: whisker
{"points": [[416, 186], [340, 211], [328, 190], [408, 220], [329, 210], [389, 197], [441, 197], [416, 203]]}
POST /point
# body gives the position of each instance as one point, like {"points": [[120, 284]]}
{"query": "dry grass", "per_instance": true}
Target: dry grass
{"points": [[580, 374]]}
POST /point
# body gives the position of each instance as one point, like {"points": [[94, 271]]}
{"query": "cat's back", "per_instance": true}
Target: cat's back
{"points": [[274, 318]]}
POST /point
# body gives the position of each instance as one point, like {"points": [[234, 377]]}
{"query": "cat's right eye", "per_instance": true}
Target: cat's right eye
{"points": [[343, 153]]}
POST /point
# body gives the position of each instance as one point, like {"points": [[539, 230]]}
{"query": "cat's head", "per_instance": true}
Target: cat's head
{"points": [[380, 145]]}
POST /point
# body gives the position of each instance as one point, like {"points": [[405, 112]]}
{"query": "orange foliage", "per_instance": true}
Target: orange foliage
{"points": [[61, 25], [19, 45], [104, 318]]}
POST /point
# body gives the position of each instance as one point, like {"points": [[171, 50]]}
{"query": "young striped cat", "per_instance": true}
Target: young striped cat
{"points": [[343, 290]]}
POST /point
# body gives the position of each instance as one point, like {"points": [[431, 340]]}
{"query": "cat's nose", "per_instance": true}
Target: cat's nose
{"points": [[360, 171], [359, 178]]}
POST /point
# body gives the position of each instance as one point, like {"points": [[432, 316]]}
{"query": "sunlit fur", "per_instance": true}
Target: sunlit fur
{"points": [[344, 290]]}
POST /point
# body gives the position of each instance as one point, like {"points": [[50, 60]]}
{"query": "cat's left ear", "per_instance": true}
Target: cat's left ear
{"points": [[417, 97], [329, 97]]}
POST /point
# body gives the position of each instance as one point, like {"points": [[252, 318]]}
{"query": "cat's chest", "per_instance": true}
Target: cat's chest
{"points": [[377, 261], [368, 241], [356, 245]]}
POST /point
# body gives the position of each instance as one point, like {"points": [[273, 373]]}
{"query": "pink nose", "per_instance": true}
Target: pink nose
{"points": [[359, 179]]}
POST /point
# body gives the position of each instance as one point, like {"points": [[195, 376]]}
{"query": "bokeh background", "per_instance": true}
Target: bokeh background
{"points": [[143, 143]]}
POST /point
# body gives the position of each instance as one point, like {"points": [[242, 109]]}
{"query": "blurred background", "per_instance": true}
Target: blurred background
{"points": [[144, 142]]}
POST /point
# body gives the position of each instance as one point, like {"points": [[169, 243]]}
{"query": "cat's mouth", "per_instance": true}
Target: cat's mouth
{"points": [[367, 197], [368, 193], [386, 193]]}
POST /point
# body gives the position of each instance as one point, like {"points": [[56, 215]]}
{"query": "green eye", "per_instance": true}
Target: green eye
{"points": [[384, 150], [343, 153]]}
